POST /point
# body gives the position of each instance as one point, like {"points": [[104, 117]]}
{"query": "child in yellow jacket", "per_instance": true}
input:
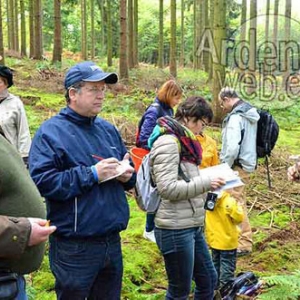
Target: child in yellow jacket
{"points": [[221, 228], [222, 235]]}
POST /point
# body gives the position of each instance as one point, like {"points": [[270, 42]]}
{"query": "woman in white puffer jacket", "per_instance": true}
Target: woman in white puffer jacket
{"points": [[179, 220]]}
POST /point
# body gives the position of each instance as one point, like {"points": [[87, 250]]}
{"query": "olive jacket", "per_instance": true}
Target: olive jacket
{"points": [[19, 198]]}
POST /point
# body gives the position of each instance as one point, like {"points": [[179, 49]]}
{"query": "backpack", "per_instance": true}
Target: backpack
{"points": [[243, 284], [267, 133], [160, 113], [147, 197], [146, 194]]}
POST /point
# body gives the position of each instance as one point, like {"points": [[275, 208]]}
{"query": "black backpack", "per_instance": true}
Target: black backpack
{"points": [[267, 133], [242, 283]]}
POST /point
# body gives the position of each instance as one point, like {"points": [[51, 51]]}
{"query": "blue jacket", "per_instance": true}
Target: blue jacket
{"points": [[149, 121], [60, 163]]}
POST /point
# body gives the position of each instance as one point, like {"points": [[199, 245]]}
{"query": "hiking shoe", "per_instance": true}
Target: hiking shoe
{"points": [[240, 253], [149, 236]]}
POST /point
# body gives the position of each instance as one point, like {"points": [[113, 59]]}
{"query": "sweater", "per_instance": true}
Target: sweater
{"points": [[19, 197]]}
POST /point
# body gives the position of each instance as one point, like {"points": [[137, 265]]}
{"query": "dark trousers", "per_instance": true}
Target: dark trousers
{"points": [[186, 258], [225, 263], [150, 222], [89, 269]]}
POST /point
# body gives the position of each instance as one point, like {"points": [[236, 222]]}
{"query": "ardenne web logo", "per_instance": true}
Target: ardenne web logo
{"points": [[259, 65]]}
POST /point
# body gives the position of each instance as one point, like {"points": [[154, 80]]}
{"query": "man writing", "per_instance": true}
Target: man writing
{"points": [[239, 131], [81, 166]]}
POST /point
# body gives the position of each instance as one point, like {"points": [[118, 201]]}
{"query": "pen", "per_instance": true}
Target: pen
{"points": [[100, 158]]}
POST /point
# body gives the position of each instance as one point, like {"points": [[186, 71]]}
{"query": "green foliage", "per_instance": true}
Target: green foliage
{"points": [[282, 287]]}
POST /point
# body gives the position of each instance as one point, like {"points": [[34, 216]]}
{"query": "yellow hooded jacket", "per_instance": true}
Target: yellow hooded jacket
{"points": [[221, 228], [210, 153]]}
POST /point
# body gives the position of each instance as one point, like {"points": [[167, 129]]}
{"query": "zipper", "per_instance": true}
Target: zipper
{"points": [[75, 220]]}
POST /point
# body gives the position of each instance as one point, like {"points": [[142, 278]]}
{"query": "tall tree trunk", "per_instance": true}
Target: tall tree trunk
{"points": [[135, 34], [31, 29], [286, 59], [123, 42], [218, 68], [23, 29], [16, 25], [10, 25], [38, 54], [57, 47], [173, 63], [242, 64], [253, 35], [2, 59], [160, 61], [197, 32], [275, 29], [267, 25], [92, 29], [130, 34], [205, 27], [182, 35], [109, 34], [83, 30], [211, 24]]}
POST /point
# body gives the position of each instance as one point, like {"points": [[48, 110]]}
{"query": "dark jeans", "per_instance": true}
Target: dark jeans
{"points": [[89, 269], [150, 222], [187, 257], [225, 263]]}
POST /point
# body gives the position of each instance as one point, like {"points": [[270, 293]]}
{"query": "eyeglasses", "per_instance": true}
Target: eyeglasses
{"points": [[95, 90], [204, 124]]}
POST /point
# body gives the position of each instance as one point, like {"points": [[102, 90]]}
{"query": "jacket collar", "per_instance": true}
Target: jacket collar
{"points": [[75, 117]]}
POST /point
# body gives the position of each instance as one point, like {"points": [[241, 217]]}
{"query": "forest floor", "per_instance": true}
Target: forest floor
{"points": [[274, 213]]}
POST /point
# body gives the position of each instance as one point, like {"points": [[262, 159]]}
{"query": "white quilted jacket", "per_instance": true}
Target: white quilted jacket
{"points": [[181, 202]]}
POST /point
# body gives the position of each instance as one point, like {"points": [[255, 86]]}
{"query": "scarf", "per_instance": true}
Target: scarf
{"points": [[191, 150]]}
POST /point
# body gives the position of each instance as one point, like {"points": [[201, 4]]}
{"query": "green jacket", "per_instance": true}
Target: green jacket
{"points": [[19, 197]]}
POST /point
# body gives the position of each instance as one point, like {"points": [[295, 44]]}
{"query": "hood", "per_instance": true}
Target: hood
{"points": [[246, 110]]}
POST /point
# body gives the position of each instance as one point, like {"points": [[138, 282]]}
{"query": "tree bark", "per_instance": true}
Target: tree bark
{"points": [[218, 68], [130, 34], [2, 58], [92, 29], [38, 53], [109, 35], [160, 61], [173, 63], [23, 29], [123, 64], [57, 46], [83, 30]]}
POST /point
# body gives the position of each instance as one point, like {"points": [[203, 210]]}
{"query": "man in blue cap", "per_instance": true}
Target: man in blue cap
{"points": [[81, 166]]}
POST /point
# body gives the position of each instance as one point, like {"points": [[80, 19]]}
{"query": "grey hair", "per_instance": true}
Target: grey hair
{"points": [[77, 86], [228, 92]]}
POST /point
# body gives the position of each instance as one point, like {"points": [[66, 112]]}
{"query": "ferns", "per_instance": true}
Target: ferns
{"points": [[281, 287]]}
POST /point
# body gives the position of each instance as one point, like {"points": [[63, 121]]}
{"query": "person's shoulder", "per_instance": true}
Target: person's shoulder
{"points": [[101, 122]]}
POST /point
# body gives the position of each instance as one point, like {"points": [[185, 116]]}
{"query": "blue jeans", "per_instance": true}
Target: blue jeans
{"points": [[89, 269], [150, 222], [187, 257], [225, 263], [22, 288]]}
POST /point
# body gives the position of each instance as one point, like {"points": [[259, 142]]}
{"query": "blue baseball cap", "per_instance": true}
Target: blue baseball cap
{"points": [[88, 71]]}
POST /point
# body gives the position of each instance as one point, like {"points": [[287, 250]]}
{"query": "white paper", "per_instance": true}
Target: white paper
{"points": [[223, 171], [121, 169]]}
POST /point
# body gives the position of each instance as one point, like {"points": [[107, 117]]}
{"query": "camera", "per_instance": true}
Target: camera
{"points": [[210, 201]]}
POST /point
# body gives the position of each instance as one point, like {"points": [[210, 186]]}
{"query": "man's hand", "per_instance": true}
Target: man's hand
{"points": [[107, 168], [39, 232], [129, 169], [293, 172]]}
